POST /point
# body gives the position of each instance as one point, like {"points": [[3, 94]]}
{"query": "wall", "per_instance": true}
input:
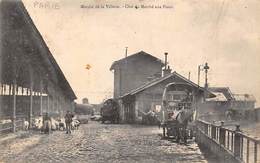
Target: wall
{"points": [[149, 98], [133, 73]]}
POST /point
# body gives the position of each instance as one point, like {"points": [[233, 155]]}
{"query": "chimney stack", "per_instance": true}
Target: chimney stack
{"points": [[166, 70], [165, 64]]}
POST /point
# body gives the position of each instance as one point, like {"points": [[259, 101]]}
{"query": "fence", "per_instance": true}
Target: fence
{"points": [[229, 145], [8, 125]]}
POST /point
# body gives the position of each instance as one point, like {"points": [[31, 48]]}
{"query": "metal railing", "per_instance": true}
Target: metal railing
{"points": [[240, 146]]}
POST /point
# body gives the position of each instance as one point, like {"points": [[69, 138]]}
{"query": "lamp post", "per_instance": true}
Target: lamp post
{"points": [[206, 68]]}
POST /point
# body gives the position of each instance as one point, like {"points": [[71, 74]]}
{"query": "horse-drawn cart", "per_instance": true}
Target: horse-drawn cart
{"points": [[178, 109]]}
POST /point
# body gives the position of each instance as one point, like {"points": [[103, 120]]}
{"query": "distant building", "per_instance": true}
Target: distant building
{"points": [[84, 109], [225, 100], [243, 101], [85, 101], [133, 71], [220, 103]]}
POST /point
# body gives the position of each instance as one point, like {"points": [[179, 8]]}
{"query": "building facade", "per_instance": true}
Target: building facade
{"points": [[133, 71], [149, 97]]}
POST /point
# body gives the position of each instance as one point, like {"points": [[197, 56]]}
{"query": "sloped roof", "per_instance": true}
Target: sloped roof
{"points": [[219, 97], [224, 90], [65, 85], [159, 80], [244, 97], [136, 55]]}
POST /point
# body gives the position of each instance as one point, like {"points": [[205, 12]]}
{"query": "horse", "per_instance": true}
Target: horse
{"points": [[182, 117]]}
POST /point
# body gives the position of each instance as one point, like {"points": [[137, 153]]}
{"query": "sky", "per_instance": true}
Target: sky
{"points": [[224, 33]]}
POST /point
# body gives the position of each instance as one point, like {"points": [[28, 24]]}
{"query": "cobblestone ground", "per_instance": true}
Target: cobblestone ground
{"points": [[96, 142]]}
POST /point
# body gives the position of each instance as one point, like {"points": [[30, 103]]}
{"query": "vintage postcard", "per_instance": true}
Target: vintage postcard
{"points": [[129, 81]]}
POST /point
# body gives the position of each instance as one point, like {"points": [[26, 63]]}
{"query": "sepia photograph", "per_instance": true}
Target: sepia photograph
{"points": [[130, 81]]}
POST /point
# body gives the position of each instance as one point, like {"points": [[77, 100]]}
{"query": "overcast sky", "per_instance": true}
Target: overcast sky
{"points": [[224, 33]]}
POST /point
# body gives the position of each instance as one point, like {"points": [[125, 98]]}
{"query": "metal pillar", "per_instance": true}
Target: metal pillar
{"points": [[31, 105], [48, 103], [206, 68], [41, 98], [14, 105]]}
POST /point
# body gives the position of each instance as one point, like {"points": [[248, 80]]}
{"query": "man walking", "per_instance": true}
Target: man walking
{"points": [[68, 120]]}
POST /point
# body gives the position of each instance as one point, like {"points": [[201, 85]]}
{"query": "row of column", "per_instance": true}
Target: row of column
{"points": [[55, 102]]}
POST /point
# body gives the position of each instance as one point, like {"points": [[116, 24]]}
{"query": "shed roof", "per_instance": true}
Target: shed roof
{"points": [[219, 97], [136, 55], [159, 80], [62, 79], [224, 90]]}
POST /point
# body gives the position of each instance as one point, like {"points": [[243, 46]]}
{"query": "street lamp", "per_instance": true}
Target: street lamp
{"points": [[206, 67]]}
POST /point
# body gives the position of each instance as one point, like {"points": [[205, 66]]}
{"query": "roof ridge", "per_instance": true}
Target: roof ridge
{"points": [[49, 55], [134, 54]]}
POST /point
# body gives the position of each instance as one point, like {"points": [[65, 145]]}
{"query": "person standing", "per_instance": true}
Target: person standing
{"points": [[68, 121], [46, 123]]}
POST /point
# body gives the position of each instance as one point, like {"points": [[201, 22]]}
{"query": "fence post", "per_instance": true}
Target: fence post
{"points": [[237, 142], [206, 128], [222, 134], [247, 151], [213, 132]]}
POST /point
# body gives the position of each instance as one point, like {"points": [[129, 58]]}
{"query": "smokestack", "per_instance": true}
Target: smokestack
{"points": [[166, 70], [165, 64]]}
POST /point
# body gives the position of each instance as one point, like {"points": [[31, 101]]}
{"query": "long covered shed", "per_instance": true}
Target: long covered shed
{"points": [[31, 81]]}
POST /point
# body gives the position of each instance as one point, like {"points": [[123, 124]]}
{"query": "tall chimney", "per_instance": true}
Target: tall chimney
{"points": [[166, 70], [165, 64]]}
